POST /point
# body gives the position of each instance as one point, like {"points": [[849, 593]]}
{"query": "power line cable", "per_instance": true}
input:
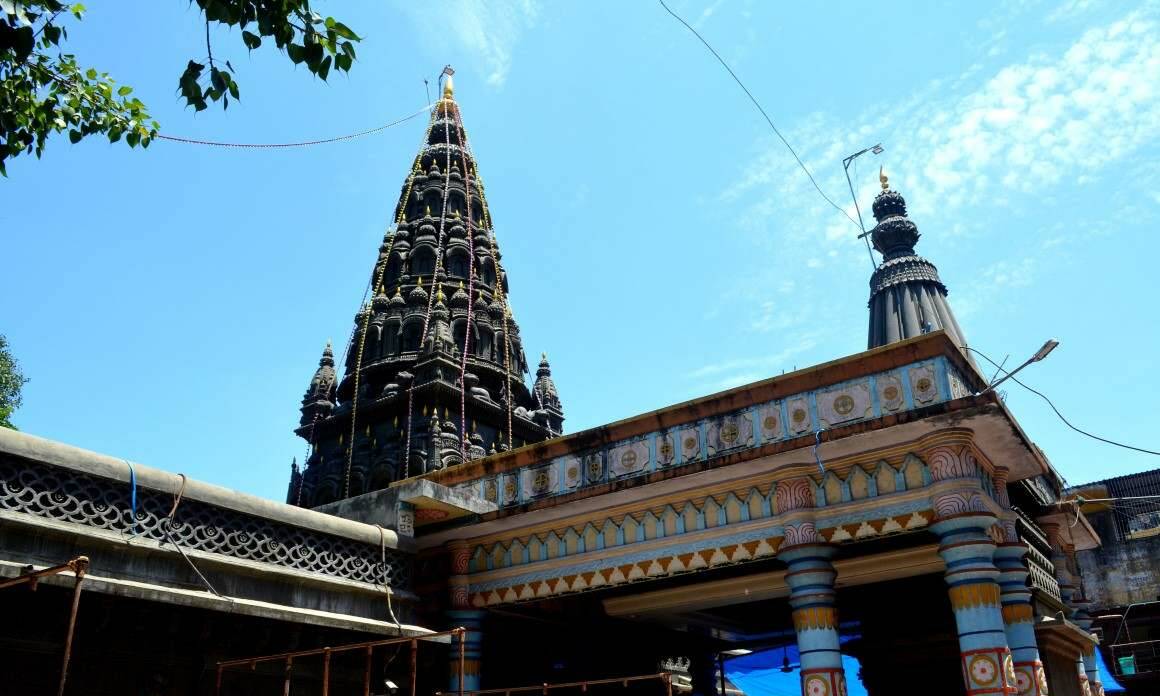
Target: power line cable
{"points": [[768, 120], [1061, 416], [304, 143]]}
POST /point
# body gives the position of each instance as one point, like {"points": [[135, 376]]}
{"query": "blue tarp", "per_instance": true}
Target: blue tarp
{"points": [[1111, 686], [759, 673]]}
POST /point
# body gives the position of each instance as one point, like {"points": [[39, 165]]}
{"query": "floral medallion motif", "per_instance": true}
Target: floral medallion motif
{"points": [[594, 465], [922, 383], [666, 452], [983, 669], [1023, 683], [815, 685]]}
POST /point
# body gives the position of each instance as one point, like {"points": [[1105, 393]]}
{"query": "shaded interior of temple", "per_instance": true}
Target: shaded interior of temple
{"points": [[573, 638]]}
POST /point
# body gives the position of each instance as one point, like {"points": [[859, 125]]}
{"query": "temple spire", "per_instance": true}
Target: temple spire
{"points": [[438, 290], [907, 298]]}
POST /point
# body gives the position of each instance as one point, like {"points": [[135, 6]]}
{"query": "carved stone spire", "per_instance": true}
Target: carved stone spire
{"points": [[440, 262], [318, 401], [907, 298]]}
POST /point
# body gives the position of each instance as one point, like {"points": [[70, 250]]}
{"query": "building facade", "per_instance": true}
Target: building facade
{"points": [[884, 508]]}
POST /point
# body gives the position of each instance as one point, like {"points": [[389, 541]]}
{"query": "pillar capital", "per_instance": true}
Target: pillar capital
{"points": [[459, 552]]}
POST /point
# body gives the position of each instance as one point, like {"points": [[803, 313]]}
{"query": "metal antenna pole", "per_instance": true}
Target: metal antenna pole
{"points": [[875, 149]]}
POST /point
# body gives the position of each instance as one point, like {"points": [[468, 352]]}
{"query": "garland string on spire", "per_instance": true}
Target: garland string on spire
{"points": [[468, 175], [434, 278], [380, 270]]}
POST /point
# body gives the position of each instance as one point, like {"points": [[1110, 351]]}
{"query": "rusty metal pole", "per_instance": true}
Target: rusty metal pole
{"points": [[462, 657], [414, 664], [217, 688], [286, 678], [80, 566], [367, 673], [668, 684], [326, 673]]}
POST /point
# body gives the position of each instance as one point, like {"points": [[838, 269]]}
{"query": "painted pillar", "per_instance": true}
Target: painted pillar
{"points": [[1015, 598], [963, 523], [1087, 661], [461, 614], [1019, 619], [472, 620], [810, 577], [971, 576]]}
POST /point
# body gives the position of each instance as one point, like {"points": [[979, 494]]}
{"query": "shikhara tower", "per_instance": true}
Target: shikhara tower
{"points": [[435, 366], [906, 296]]}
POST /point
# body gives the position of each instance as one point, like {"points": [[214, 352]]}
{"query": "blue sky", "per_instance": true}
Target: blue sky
{"points": [[170, 305]]}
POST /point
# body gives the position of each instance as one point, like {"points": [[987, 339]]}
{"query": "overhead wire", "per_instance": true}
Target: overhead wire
{"points": [[303, 143], [765, 115], [1057, 412]]}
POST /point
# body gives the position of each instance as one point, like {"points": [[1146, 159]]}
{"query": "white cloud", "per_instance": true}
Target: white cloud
{"points": [[487, 30], [732, 373]]}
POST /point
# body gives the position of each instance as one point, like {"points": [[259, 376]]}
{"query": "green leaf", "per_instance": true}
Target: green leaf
{"points": [[296, 52], [78, 10], [91, 73], [344, 31], [234, 90], [22, 42], [251, 40], [74, 136], [324, 68], [125, 90]]}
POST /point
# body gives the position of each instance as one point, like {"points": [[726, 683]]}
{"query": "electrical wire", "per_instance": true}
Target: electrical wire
{"points": [[168, 522], [1061, 416], [304, 143], [757, 104]]}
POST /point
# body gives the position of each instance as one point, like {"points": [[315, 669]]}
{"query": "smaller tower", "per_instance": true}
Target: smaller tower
{"points": [[550, 413], [318, 402], [906, 296]]}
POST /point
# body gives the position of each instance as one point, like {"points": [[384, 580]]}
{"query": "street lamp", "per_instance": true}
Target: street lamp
{"points": [[1040, 354], [877, 150]]}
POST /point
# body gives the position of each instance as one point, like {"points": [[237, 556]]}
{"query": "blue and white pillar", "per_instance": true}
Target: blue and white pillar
{"points": [[810, 577], [1019, 619], [472, 620], [971, 576]]}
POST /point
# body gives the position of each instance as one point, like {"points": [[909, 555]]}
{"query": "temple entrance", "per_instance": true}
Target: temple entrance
{"points": [[897, 636]]}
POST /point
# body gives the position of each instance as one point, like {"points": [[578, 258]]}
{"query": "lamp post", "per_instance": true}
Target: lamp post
{"points": [[877, 150], [1040, 354]]}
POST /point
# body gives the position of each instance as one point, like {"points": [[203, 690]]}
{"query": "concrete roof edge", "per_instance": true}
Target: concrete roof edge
{"points": [[55, 453]]}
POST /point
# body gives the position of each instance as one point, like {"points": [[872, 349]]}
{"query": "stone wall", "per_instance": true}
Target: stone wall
{"points": [[1121, 572]]}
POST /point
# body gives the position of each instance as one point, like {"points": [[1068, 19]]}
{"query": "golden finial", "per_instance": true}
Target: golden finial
{"points": [[543, 356], [461, 285], [448, 88], [420, 282], [882, 178], [429, 207], [399, 290], [439, 293]]}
